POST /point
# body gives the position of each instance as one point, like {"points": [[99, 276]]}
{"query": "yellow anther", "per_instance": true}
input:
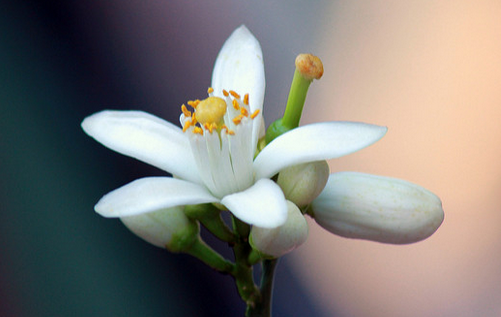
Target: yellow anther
{"points": [[244, 112], [254, 114], [193, 119], [210, 110], [198, 130], [187, 124], [228, 131], [238, 119], [193, 103], [234, 94], [210, 126], [185, 111], [235, 104], [210, 90], [246, 99], [225, 93]]}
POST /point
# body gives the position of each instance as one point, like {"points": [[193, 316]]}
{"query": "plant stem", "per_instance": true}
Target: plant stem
{"points": [[210, 257], [262, 308]]}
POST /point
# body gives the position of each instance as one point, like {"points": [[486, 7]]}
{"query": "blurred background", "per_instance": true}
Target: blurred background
{"points": [[429, 70]]}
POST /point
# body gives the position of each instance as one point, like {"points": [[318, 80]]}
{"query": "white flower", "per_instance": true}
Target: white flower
{"points": [[383, 209], [213, 158]]}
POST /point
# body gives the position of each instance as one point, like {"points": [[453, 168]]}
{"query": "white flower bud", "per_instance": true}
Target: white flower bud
{"points": [[281, 240], [383, 209], [162, 228], [304, 182]]}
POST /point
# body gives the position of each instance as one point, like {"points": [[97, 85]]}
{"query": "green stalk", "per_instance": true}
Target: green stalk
{"points": [[210, 257], [263, 307], [295, 102], [294, 108]]}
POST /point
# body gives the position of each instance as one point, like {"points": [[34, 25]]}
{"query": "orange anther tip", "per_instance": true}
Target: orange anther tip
{"points": [[234, 94], [198, 130], [254, 114], [225, 93]]}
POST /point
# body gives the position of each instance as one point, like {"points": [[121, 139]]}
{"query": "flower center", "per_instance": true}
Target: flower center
{"points": [[215, 113], [211, 110], [224, 158]]}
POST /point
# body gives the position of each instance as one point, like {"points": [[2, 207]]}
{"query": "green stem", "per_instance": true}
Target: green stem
{"points": [[210, 257], [243, 269], [293, 110], [295, 102], [210, 217], [263, 307]]}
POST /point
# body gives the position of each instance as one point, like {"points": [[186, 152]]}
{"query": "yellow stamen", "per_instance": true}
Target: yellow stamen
{"points": [[228, 131], [225, 93], [244, 112], [210, 110], [210, 127], [193, 103], [246, 99], [234, 94], [185, 111], [210, 90], [238, 119], [254, 114], [198, 130], [187, 124], [235, 104]]}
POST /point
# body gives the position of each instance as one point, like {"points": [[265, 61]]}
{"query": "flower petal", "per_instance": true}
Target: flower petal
{"points": [[151, 194], [146, 138], [239, 66], [278, 241], [263, 204], [315, 142], [383, 209]]}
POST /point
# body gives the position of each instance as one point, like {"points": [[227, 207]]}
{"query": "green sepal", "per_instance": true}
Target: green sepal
{"points": [[210, 216], [184, 239], [276, 129]]}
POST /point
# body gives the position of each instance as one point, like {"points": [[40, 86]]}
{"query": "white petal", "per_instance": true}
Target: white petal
{"points": [[383, 209], [281, 240], [146, 138], [315, 142], [263, 205], [239, 66], [151, 194]]}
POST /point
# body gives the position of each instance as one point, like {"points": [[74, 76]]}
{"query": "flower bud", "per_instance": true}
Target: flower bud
{"points": [[304, 182], [166, 228], [273, 243], [383, 209]]}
